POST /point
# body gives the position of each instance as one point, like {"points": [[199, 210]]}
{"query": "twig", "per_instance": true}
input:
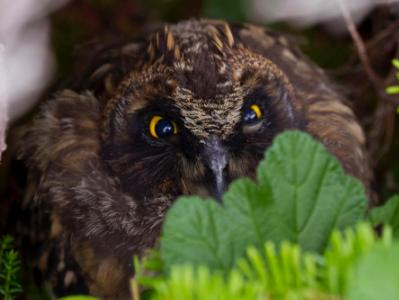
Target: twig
{"points": [[361, 49], [359, 44]]}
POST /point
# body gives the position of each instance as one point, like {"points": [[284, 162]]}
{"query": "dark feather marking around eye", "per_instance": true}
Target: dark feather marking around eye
{"points": [[258, 93]]}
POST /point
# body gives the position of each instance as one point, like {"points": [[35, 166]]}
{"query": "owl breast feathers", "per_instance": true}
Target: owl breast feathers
{"points": [[184, 110]]}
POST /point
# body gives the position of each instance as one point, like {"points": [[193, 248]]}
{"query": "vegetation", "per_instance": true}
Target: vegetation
{"points": [[346, 270], [395, 88], [10, 266]]}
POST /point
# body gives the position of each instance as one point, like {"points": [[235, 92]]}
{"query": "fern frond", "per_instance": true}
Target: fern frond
{"points": [[10, 266]]}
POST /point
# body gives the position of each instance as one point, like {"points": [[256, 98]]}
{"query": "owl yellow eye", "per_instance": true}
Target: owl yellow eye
{"points": [[252, 114], [160, 127]]}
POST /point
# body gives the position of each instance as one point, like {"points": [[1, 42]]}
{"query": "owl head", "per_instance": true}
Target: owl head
{"points": [[198, 112]]}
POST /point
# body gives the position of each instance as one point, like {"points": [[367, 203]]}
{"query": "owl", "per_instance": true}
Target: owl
{"points": [[184, 109]]}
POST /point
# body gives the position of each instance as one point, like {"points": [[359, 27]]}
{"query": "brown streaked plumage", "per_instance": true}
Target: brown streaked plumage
{"points": [[105, 182]]}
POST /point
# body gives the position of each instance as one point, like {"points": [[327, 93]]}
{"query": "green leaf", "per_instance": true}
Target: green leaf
{"points": [[246, 209], [376, 275], [311, 192], [388, 214], [194, 232], [302, 195]]}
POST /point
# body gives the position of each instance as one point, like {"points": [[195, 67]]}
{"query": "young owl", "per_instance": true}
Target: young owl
{"points": [[183, 110]]}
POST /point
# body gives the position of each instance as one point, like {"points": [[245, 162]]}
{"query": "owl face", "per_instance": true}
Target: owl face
{"points": [[200, 114]]}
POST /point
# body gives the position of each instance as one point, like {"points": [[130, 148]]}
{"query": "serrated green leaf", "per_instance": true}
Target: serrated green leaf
{"points": [[387, 214], [194, 232], [311, 193], [376, 275]]}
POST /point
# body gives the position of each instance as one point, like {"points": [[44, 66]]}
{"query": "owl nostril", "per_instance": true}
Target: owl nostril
{"points": [[215, 157]]}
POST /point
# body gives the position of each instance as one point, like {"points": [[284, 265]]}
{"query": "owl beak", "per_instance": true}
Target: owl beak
{"points": [[215, 157]]}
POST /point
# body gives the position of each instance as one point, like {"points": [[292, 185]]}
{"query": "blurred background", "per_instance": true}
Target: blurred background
{"points": [[354, 41]]}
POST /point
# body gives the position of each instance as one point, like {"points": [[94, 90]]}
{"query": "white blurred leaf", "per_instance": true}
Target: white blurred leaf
{"points": [[308, 12], [26, 61]]}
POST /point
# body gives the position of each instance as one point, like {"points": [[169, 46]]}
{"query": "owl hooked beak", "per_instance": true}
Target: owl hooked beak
{"points": [[215, 157]]}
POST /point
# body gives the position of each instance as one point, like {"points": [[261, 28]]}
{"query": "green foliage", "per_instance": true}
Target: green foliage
{"points": [[376, 275], [185, 282], [302, 194], [343, 271], [343, 253], [394, 89], [391, 90], [387, 214], [10, 266]]}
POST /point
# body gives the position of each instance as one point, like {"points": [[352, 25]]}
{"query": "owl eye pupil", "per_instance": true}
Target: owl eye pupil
{"points": [[249, 116], [252, 114], [164, 128]]}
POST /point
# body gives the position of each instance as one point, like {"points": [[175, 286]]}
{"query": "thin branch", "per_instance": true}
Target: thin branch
{"points": [[359, 44]]}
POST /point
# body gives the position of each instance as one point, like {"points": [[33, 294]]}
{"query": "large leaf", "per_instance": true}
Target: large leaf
{"points": [[301, 196], [376, 275], [388, 214]]}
